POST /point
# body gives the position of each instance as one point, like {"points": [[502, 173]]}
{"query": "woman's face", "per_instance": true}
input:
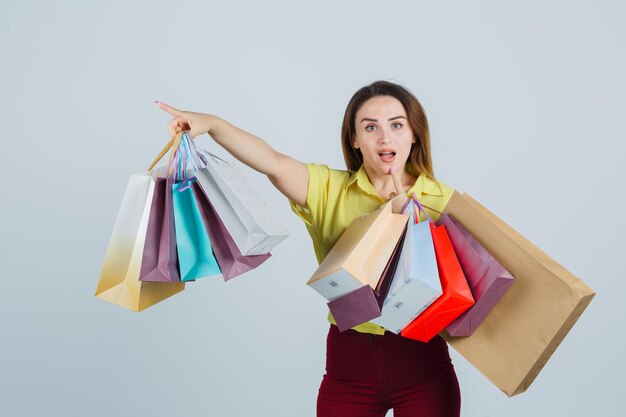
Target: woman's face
{"points": [[383, 134]]}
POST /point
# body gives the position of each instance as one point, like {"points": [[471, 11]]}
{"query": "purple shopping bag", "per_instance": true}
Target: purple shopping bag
{"points": [[229, 257], [159, 262], [487, 278], [364, 303]]}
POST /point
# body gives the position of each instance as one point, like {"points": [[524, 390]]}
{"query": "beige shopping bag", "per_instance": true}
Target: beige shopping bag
{"points": [[529, 322], [360, 255]]}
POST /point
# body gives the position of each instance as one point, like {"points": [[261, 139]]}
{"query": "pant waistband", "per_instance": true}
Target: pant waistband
{"points": [[357, 333]]}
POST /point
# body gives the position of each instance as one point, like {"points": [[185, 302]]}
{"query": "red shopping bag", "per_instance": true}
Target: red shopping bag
{"points": [[456, 298]]}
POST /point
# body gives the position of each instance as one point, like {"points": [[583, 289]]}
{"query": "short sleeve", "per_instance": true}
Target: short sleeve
{"points": [[316, 196], [435, 197], [447, 192]]}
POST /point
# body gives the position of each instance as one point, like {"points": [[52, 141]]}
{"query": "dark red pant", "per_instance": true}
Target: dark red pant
{"points": [[366, 375]]}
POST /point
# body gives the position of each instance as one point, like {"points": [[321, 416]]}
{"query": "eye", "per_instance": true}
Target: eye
{"points": [[397, 124], [368, 127]]}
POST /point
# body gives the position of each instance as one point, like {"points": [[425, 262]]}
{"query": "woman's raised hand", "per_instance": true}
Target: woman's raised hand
{"points": [[288, 175], [195, 123]]}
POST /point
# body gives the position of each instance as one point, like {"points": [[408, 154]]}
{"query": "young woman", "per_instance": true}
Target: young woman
{"points": [[386, 147]]}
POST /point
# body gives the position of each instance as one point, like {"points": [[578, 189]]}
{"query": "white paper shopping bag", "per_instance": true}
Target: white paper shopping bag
{"points": [[243, 211], [416, 284]]}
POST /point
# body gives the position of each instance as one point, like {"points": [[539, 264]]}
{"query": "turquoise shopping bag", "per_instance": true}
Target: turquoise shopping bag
{"points": [[195, 254]]}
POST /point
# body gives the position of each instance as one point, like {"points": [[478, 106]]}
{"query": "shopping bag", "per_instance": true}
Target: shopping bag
{"points": [[523, 330], [159, 260], [415, 284], [365, 303], [231, 262], [487, 278], [193, 247], [456, 297], [360, 255], [241, 208], [119, 281], [195, 252]]}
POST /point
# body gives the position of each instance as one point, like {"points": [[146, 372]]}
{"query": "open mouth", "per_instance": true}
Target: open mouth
{"points": [[387, 156]]}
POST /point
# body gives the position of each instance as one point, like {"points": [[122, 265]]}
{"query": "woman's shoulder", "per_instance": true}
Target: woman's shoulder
{"points": [[435, 195], [435, 187], [326, 173]]}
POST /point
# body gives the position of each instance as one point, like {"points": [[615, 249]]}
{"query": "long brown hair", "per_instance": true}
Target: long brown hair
{"points": [[419, 161]]}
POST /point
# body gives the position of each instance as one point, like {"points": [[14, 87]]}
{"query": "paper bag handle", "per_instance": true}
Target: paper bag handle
{"points": [[415, 212], [174, 158], [419, 205], [164, 150]]}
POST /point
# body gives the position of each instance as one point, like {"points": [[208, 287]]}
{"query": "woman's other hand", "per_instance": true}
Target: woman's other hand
{"points": [[399, 196], [195, 123]]}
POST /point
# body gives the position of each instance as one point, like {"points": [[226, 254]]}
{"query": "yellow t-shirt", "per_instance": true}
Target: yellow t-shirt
{"points": [[336, 197]]}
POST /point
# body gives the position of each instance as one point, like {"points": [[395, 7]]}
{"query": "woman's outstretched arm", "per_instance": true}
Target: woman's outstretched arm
{"points": [[288, 175]]}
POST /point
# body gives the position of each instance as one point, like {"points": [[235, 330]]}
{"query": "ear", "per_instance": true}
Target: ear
{"points": [[355, 144], [414, 140]]}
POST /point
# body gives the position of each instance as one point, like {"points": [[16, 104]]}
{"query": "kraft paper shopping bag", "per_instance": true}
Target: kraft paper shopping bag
{"points": [[525, 327]]}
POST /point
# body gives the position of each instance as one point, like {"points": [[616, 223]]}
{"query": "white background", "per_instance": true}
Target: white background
{"points": [[525, 103]]}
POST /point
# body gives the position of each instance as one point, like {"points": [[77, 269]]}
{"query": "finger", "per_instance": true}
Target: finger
{"points": [[173, 127], [171, 110], [397, 180]]}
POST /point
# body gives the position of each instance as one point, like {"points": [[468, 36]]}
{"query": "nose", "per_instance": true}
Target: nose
{"points": [[384, 136]]}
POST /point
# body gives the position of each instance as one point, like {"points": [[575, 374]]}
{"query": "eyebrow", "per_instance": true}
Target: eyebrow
{"points": [[369, 119]]}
